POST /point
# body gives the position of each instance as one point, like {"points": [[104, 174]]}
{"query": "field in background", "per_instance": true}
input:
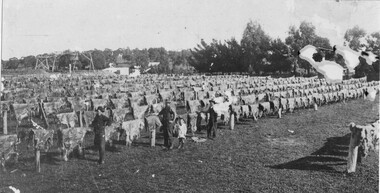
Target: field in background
{"points": [[303, 152]]}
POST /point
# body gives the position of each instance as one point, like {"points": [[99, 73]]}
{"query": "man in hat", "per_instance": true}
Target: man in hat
{"points": [[166, 113], [99, 124], [212, 122]]}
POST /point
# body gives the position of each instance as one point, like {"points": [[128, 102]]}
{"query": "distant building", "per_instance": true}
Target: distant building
{"points": [[151, 64], [123, 67]]}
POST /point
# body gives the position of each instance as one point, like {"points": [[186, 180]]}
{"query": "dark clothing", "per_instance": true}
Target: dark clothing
{"points": [[166, 113], [199, 121], [212, 122], [213, 117], [167, 128], [211, 130], [168, 134], [99, 123]]}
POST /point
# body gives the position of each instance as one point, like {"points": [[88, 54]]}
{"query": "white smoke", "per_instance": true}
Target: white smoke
{"points": [[326, 28]]}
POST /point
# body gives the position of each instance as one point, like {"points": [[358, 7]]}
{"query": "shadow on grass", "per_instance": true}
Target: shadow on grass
{"points": [[331, 154]]}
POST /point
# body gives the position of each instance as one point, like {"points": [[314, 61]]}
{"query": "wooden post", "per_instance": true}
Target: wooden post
{"points": [[92, 62], [5, 123], [232, 121], [352, 151], [53, 68], [315, 107], [44, 115], [279, 113], [254, 117], [47, 64], [37, 155], [80, 119], [81, 151], [153, 138]]}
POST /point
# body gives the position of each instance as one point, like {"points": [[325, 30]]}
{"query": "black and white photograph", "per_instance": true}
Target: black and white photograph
{"points": [[189, 96]]}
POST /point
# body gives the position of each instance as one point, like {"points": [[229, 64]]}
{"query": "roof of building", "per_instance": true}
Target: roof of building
{"points": [[153, 63], [123, 65]]}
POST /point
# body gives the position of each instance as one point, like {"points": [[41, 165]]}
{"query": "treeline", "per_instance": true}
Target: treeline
{"points": [[169, 61], [258, 53]]}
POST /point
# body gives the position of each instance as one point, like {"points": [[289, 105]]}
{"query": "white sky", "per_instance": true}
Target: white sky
{"points": [[33, 27]]}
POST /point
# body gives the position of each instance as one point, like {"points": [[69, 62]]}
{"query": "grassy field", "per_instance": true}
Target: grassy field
{"points": [[263, 156]]}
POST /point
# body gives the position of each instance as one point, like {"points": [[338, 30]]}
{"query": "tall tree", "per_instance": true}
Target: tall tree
{"points": [[255, 43], [12, 63], [109, 56], [217, 57], [201, 57], [325, 52], [141, 58], [294, 43], [374, 46], [279, 57], [234, 56], [63, 61], [29, 61], [99, 59], [353, 37], [305, 35], [374, 42]]}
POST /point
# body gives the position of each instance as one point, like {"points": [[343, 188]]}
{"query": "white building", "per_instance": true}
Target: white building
{"points": [[122, 69], [151, 64], [135, 71]]}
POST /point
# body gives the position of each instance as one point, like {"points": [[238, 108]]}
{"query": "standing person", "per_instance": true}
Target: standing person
{"points": [[99, 123], [167, 128], [182, 130], [212, 121]]}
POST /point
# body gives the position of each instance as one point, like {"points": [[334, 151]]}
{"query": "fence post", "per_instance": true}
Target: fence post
{"points": [[37, 155], [352, 151], [80, 119], [232, 121], [44, 115], [5, 123], [315, 107], [153, 137]]}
